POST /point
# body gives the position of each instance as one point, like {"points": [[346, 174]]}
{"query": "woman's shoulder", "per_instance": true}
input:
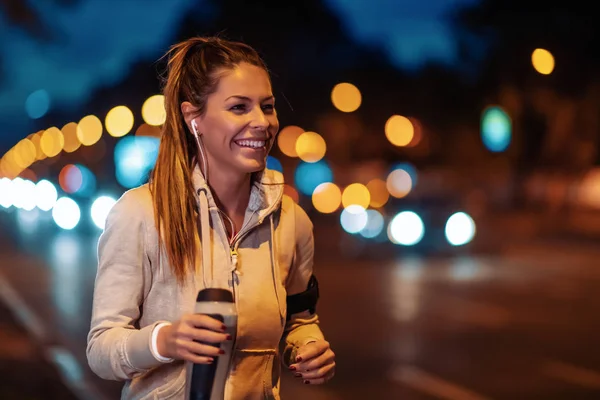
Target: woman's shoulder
{"points": [[135, 203], [292, 211]]}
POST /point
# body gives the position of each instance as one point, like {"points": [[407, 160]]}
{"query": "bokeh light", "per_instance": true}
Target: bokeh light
{"points": [[52, 142], [460, 229], [356, 194], [327, 197], [24, 194], [409, 168], [89, 130], [100, 210], [406, 228], [24, 153], [153, 110], [346, 97], [399, 183], [16, 192], [77, 179], [119, 121], [36, 140], [399, 130], [378, 192], [72, 142], [417, 132], [70, 178], [496, 129], [287, 138], [543, 61], [135, 157], [45, 195], [310, 147], [37, 104], [274, 164], [5, 167], [354, 219], [66, 213], [310, 175], [374, 226], [6, 193]]}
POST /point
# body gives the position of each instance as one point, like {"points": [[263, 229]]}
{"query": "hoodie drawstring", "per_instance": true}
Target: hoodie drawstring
{"points": [[205, 241], [275, 270]]}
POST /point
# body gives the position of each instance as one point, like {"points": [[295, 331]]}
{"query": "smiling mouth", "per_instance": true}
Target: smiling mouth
{"points": [[251, 144]]}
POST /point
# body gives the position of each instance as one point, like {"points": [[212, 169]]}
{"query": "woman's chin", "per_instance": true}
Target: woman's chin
{"points": [[251, 165]]}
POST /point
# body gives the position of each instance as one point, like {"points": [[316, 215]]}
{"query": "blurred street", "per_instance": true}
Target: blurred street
{"points": [[518, 324], [26, 374]]}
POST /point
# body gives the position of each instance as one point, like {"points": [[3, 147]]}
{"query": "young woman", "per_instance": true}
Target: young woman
{"points": [[212, 215]]}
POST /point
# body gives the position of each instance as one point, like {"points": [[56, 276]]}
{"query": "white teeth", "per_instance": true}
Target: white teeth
{"points": [[255, 144]]}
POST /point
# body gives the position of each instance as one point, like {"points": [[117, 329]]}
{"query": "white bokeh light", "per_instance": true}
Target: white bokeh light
{"points": [[374, 224], [18, 192], [6, 193], [354, 218], [66, 213], [406, 228], [100, 209], [27, 194], [45, 195], [460, 229]]}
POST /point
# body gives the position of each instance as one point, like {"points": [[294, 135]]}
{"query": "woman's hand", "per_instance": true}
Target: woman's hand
{"points": [[180, 340], [315, 363]]}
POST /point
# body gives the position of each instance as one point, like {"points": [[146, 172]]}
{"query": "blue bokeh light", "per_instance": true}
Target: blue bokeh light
{"points": [[135, 157], [37, 104], [310, 175], [274, 164], [88, 181], [496, 130]]}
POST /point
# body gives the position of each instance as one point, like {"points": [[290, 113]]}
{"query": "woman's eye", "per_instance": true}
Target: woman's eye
{"points": [[268, 107], [239, 107]]}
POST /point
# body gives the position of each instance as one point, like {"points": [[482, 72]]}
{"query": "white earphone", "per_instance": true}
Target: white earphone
{"points": [[195, 128], [205, 171], [200, 149]]}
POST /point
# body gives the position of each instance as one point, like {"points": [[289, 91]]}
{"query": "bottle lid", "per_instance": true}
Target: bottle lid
{"points": [[215, 294]]}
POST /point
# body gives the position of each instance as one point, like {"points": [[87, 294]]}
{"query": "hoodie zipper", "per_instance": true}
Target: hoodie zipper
{"points": [[233, 256]]}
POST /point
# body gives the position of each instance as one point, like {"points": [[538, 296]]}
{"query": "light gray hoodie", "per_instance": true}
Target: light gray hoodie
{"points": [[271, 257]]}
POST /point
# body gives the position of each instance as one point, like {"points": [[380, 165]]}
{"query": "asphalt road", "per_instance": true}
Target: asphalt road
{"points": [[522, 323]]}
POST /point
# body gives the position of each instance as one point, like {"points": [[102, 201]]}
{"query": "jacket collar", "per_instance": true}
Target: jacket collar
{"points": [[265, 194]]}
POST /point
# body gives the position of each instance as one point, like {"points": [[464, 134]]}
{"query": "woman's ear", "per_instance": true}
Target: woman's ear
{"points": [[189, 113]]}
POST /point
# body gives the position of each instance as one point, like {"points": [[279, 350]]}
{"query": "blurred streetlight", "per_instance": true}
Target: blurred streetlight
{"points": [[543, 61]]}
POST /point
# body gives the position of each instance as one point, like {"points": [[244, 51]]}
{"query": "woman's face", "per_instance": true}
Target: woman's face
{"points": [[240, 122]]}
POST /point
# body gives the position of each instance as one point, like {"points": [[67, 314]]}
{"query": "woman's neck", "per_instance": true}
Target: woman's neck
{"points": [[230, 190]]}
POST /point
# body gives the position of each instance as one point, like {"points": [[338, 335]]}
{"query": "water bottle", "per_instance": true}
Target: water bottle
{"points": [[207, 381]]}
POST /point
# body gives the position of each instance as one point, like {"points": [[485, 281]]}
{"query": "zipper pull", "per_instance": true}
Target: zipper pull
{"points": [[234, 260]]}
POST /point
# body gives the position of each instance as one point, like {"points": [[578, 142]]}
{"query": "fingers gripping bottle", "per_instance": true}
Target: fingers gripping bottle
{"points": [[207, 381]]}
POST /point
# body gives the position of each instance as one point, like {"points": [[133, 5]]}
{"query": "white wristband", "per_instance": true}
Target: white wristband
{"points": [[154, 343]]}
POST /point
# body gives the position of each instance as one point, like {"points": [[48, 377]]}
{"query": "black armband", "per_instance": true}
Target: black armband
{"points": [[304, 301]]}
